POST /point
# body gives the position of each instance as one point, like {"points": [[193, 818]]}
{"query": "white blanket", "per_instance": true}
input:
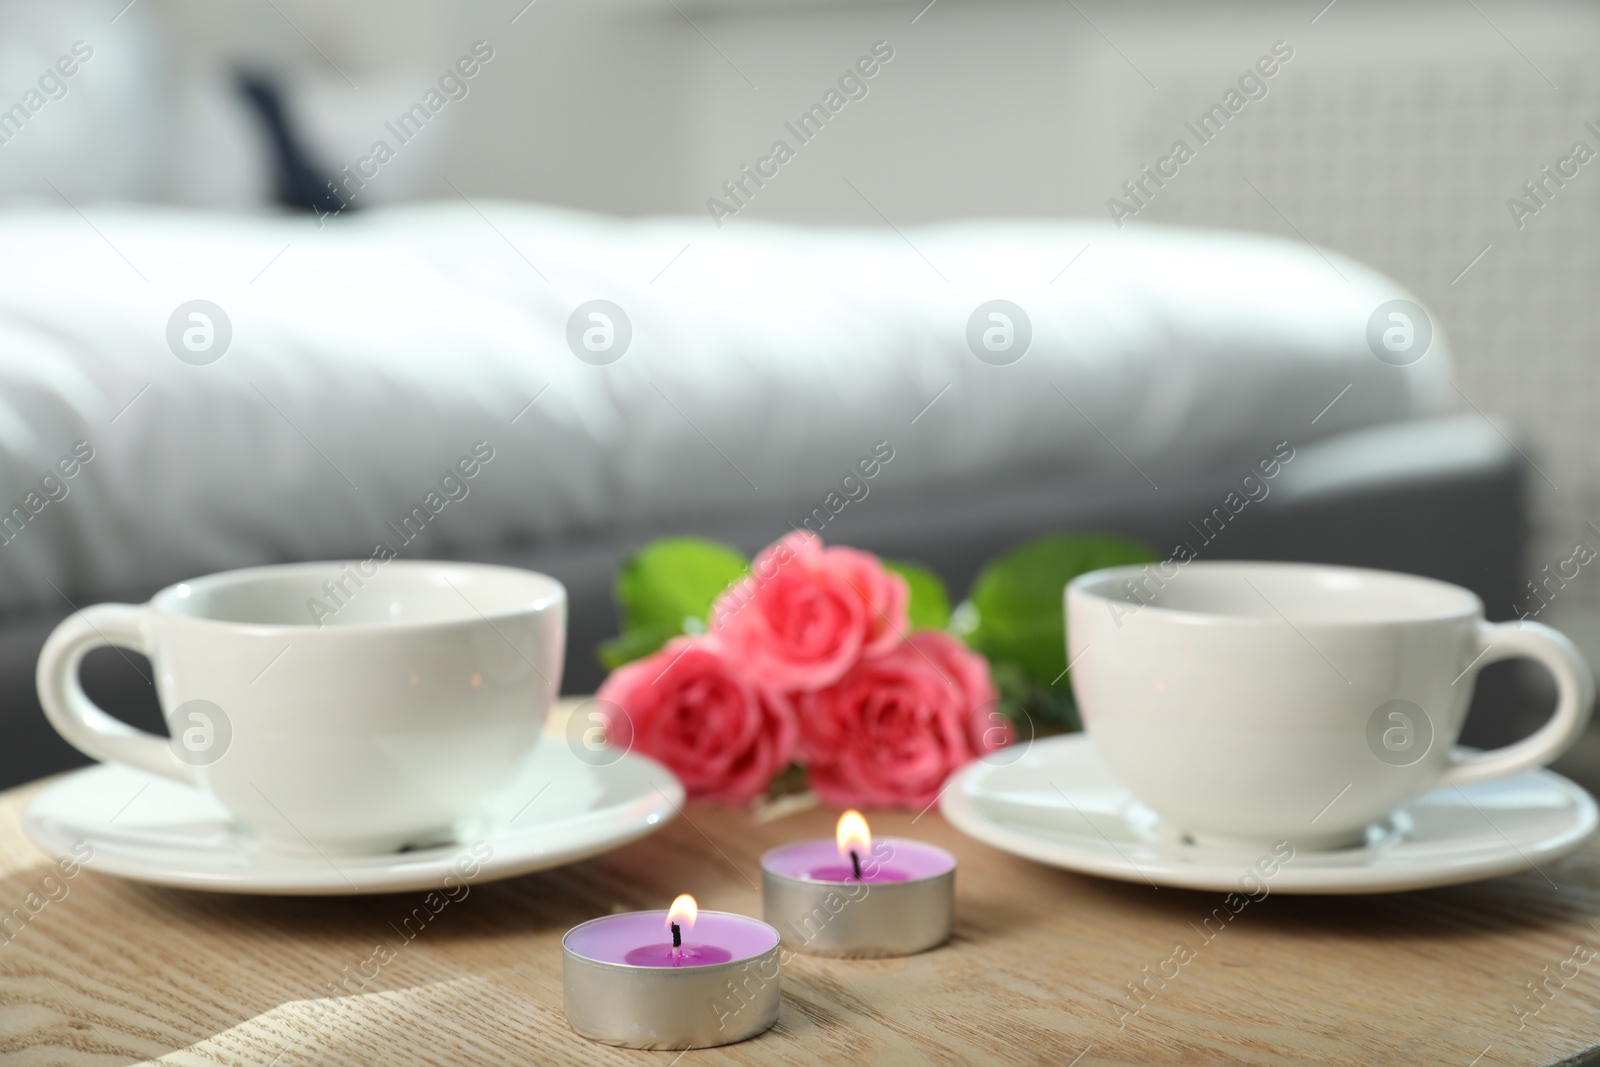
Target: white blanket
{"points": [[368, 355]]}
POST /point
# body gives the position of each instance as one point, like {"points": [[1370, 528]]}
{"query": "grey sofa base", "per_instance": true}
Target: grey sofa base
{"points": [[1442, 498]]}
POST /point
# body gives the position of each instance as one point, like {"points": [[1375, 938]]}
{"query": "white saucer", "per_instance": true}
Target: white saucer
{"points": [[1057, 803], [557, 811]]}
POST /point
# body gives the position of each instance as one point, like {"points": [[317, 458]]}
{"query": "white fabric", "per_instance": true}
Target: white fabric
{"points": [[381, 346]]}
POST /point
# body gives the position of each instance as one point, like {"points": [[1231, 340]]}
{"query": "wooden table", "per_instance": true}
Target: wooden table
{"points": [[116, 972]]}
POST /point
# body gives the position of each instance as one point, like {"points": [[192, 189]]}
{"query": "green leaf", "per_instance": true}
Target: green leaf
{"points": [[665, 589], [673, 579], [1035, 710], [635, 644], [1017, 600], [929, 607]]}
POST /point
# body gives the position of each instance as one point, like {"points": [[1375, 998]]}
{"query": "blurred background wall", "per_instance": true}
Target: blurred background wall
{"points": [[1395, 134]]}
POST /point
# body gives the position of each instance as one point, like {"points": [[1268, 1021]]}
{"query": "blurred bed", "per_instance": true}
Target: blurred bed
{"points": [[236, 391]]}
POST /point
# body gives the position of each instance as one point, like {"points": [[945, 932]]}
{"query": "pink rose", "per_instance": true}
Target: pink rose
{"points": [[806, 613], [893, 729], [692, 707]]}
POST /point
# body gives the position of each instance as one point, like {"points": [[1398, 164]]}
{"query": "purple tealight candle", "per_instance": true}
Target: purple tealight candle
{"points": [[674, 979], [857, 896]]}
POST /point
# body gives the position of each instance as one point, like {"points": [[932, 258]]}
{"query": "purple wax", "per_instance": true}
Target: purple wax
{"points": [[843, 872], [664, 955], [642, 939], [891, 859]]}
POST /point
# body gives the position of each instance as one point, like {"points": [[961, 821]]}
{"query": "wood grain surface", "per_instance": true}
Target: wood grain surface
{"points": [[114, 972]]}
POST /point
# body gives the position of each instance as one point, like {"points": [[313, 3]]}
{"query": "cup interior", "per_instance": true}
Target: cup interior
{"points": [[1299, 592], [361, 593]]}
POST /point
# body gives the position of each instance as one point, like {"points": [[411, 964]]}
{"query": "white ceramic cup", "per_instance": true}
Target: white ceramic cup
{"points": [[335, 707], [1250, 703]]}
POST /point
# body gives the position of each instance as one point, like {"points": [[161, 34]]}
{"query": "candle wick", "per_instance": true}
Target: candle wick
{"points": [[855, 862], [677, 936]]}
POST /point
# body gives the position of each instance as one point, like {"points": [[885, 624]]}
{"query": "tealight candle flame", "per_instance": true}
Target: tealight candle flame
{"points": [[683, 912], [855, 839], [853, 833]]}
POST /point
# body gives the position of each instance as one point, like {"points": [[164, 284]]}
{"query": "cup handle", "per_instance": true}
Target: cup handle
{"points": [[75, 717], [1574, 700]]}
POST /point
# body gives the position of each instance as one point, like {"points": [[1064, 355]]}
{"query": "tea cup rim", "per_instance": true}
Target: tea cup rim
{"points": [[1457, 602], [171, 600]]}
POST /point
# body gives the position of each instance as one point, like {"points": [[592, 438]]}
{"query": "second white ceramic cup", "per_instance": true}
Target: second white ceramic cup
{"points": [[331, 707], [1248, 703]]}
